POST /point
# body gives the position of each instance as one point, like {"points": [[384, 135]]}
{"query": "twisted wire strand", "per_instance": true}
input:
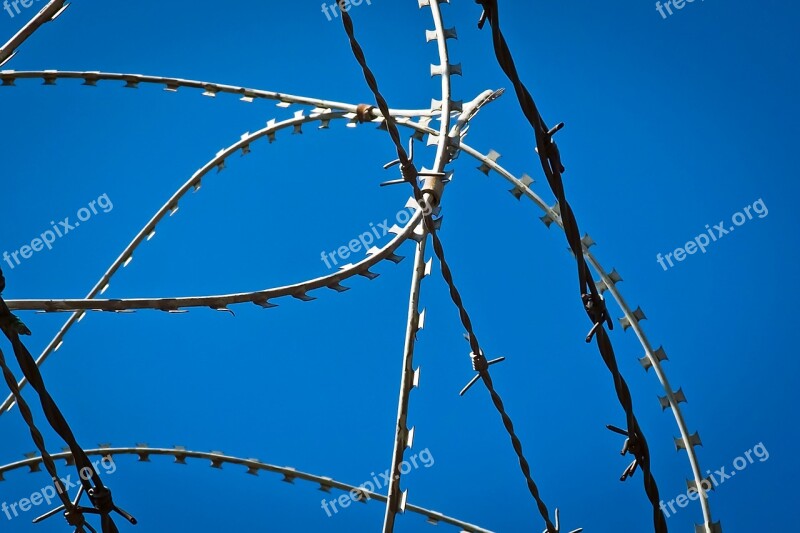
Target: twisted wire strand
{"points": [[609, 281], [27, 416], [410, 174], [93, 485], [49, 406], [552, 166], [36, 435]]}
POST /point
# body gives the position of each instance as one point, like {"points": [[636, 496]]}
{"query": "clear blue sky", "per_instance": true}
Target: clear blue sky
{"points": [[672, 124]]}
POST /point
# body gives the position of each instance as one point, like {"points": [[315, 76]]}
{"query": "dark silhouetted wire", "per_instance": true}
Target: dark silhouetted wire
{"points": [[410, 173], [594, 304], [92, 484]]}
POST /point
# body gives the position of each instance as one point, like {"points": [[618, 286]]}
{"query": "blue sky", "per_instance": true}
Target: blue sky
{"points": [[672, 124]]}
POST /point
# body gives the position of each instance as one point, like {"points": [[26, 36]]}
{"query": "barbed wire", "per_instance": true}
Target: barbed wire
{"points": [[91, 483], [593, 302], [411, 174], [591, 298], [36, 435]]}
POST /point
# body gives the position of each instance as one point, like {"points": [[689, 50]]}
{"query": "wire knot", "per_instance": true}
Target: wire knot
{"points": [[481, 366], [553, 154], [101, 499], [598, 313], [631, 446], [103, 505], [409, 171], [479, 362], [407, 168], [75, 518]]}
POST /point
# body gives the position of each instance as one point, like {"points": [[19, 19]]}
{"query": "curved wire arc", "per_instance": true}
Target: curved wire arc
{"points": [[253, 467], [90, 78], [653, 357], [170, 207]]}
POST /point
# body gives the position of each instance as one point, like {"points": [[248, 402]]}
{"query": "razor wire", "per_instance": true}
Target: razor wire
{"points": [[654, 357], [410, 174], [217, 302], [289, 475], [247, 95]]}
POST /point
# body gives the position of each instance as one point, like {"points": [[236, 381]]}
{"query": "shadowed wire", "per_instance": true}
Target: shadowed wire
{"points": [[550, 158]]}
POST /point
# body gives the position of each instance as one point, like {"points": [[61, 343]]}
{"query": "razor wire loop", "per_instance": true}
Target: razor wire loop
{"points": [[550, 158], [253, 467], [100, 496], [453, 148], [410, 174]]}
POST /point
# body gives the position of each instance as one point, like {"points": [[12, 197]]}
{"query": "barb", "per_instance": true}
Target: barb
{"points": [[593, 302], [410, 174], [210, 89], [36, 435], [99, 495], [169, 208], [654, 357], [48, 13], [253, 466], [404, 437]]}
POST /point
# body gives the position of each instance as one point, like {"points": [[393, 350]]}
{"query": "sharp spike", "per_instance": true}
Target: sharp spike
{"points": [[338, 288], [369, 275]]}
